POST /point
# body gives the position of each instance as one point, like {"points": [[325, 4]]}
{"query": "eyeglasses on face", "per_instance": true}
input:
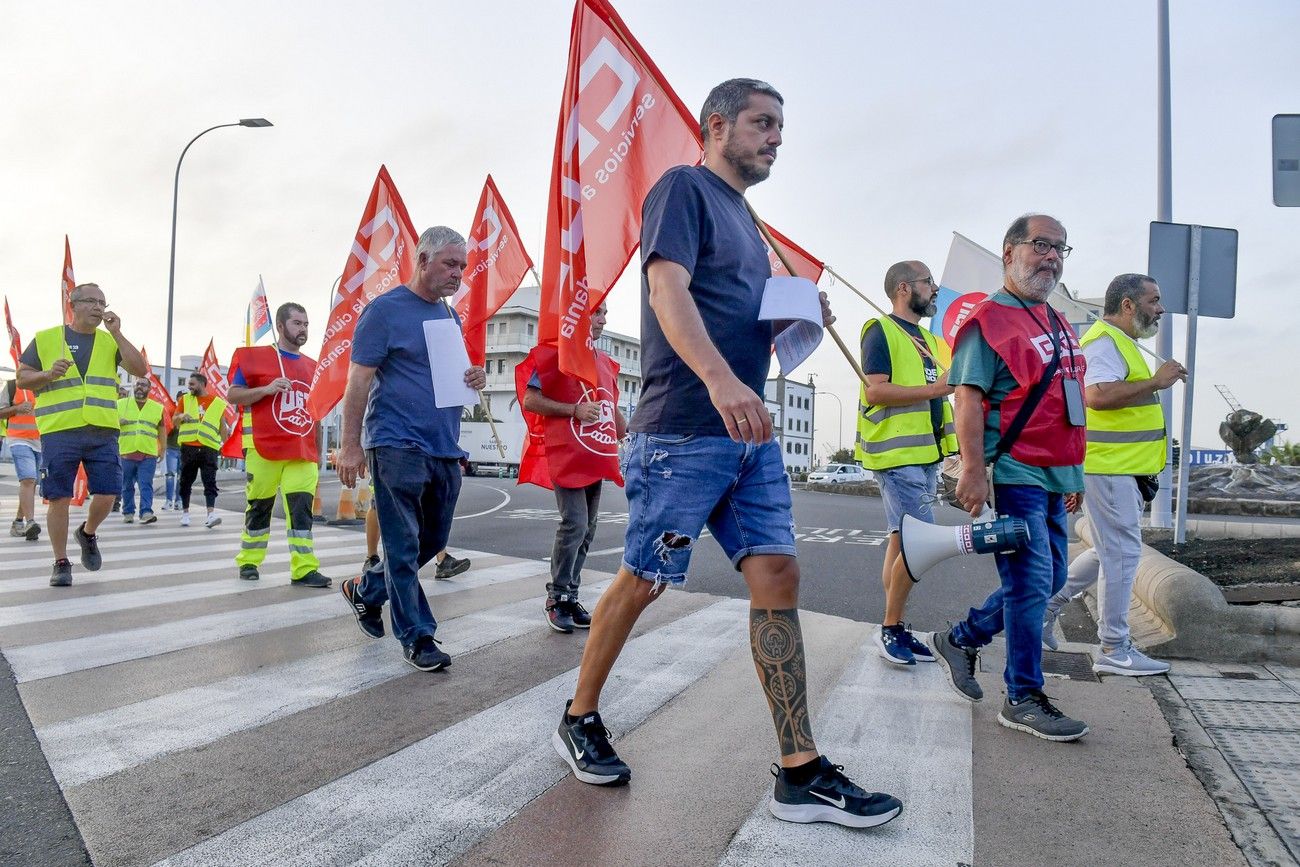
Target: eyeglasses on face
{"points": [[927, 280], [1041, 247], [93, 302]]}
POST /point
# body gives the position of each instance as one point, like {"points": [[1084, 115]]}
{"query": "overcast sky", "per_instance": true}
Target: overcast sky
{"points": [[905, 121]]}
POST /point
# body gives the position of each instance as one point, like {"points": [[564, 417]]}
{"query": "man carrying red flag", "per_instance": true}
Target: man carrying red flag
{"points": [[582, 430], [281, 452], [704, 269], [202, 429]]}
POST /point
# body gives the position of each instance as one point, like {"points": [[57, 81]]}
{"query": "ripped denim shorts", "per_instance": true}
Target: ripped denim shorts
{"points": [[678, 484]]}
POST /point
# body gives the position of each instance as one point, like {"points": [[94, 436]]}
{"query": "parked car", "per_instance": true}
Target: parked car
{"points": [[838, 474]]}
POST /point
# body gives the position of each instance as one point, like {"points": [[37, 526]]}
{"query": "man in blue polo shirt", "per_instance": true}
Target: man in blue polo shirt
{"points": [[411, 445]]}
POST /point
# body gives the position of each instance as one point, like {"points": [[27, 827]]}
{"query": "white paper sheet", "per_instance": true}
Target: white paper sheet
{"points": [[796, 302], [448, 362]]}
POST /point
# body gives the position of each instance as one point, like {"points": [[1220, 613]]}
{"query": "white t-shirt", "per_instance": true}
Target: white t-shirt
{"points": [[1105, 364]]}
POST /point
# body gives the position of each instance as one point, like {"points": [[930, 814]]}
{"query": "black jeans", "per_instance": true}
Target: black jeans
{"points": [[196, 459]]}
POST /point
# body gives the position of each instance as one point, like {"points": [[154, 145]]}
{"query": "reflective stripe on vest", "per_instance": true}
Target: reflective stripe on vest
{"points": [[1129, 441], [897, 436], [204, 426], [72, 402], [139, 432]]}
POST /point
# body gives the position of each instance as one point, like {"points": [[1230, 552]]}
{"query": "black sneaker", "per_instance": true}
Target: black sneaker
{"points": [[311, 579], [831, 797], [90, 557], [248, 572], [1036, 715], [584, 744], [424, 654], [62, 574], [581, 619], [558, 617], [32, 532], [959, 663], [369, 617], [371, 562], [450, 567]]}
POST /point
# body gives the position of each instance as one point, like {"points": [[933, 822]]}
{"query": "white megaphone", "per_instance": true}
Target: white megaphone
{"points": [[924, 545]]}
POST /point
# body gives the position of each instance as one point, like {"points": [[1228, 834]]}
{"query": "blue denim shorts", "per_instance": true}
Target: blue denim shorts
{"points": [[27, 460], [676, 485], [95, 448], [908, 491]]}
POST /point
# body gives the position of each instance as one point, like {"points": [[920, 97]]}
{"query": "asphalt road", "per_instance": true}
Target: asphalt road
{"points": [[840, 539]]}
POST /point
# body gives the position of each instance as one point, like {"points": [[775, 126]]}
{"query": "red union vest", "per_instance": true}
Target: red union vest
{"points": [[578, 454], [283, 429], [1017, 336]]}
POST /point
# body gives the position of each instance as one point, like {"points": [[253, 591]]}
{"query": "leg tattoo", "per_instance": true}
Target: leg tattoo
{"points": [[776, 641]]}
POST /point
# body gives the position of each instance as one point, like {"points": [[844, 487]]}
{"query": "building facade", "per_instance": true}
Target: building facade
{"points": [[790, 404]]}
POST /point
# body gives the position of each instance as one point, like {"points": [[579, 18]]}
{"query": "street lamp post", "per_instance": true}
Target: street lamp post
{"points": [[839, 430], [254, 122]]}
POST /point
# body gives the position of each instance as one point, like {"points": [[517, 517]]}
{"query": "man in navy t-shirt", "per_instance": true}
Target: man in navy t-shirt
{"points": [[701, 453], [411, 444]]}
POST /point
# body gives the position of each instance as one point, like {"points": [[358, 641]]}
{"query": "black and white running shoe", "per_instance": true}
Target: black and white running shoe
{"points": [[831, 797], [585, 745]]}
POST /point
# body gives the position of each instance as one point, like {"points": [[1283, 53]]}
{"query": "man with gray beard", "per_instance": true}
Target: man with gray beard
{"points": [[1126, 439], [1018, 373]]}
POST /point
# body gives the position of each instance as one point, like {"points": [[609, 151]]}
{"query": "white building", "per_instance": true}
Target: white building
{"points": [[512, 334], [790, 404]]}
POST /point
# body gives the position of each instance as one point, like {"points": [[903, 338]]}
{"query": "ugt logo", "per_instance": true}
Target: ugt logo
{"points": [[601, 436], [289, 409]]}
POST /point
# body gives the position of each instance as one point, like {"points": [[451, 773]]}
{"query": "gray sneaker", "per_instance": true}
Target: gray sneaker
{"points": [[959, 664], [1128, 661], [1049, 628], [1036, 715]]}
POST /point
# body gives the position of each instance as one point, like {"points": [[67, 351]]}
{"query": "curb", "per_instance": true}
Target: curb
{"points": [[1185, 615]]}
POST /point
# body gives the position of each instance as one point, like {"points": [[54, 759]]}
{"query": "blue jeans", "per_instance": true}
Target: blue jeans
{"points": [[677, 484], [415, 496], [172, 466], [138, 472], [1029, 577]]}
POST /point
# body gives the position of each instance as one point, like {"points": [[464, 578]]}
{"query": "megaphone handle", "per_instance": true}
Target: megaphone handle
{"points": [[993, 497]]}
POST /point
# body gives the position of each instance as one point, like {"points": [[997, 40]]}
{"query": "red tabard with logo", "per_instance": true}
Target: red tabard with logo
{"points": [[1017, 336], [576, 453], [283, 429]]}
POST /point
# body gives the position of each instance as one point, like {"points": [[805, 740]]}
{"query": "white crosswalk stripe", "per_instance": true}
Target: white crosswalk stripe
{"points": [[93, 671]]}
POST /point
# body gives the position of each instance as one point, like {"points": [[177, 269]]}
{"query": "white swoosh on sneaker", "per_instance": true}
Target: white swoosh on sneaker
{"points": [[833, 802], [577, 757], [1126, 662]]}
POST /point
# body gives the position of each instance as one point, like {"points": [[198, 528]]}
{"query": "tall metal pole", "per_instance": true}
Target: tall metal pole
{"points": [[1161, 508], [1193, 309]]}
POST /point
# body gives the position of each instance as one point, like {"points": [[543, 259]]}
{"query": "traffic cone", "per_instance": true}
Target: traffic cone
{"points": [[363, 500], [347, 512], [317, 506]]}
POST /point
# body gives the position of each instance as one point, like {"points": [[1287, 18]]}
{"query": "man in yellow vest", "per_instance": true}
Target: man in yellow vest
{"points": [[24, 441], [202, 431], [1126, 439], [142, 439], [905, 428], [73, 371]]}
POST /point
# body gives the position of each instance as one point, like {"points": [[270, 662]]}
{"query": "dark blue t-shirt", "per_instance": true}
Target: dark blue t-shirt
{"points": [[692, 217], [401, 410], [79, 346], [875, 359]]}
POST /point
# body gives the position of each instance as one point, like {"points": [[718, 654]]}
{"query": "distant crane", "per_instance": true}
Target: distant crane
{"points": [[1227, 395]]}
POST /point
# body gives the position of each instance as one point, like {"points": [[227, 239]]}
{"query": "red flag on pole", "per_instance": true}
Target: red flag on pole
{"points": [[15, 342], [496, 265], [67, 281], [804, 263], [217, 384], [382, 257], [621, 127], [158, 392]]}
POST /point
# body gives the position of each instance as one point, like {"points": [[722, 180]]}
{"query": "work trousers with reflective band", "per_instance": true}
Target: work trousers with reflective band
{"points": [[297, 480]]}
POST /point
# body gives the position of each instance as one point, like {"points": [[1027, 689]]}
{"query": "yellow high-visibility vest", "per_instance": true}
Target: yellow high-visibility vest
{"points": [[898, 436], [204, 426], [73, 401], [1128, 441], [139, 432]]}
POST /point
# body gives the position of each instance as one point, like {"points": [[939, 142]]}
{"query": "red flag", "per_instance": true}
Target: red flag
{"points": [[67, 281], [158, 392], [804, 263], [533, 468], [621, 127], [497, 263], [217, 383], [15, 342], [382, 257]]}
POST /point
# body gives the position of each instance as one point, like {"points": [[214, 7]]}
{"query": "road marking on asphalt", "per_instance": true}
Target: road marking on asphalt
{"points": [[618, 550], [90, 747], [432, 801], [500, 505], [902, 731]]}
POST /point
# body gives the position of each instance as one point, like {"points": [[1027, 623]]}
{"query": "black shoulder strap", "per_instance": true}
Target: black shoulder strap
{"points": [[1034, 397]]}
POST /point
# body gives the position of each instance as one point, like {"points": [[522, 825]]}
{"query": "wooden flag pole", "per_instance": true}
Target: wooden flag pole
{"points": [[920, 344], [848, 355], [482, 400]]}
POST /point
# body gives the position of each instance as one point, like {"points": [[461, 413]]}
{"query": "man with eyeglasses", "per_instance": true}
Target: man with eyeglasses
{"points": [[905, 427], [1018, 371], [73, 371]]}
